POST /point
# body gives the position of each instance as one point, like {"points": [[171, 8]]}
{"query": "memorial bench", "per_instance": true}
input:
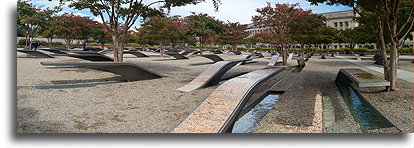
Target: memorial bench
{"points": [[211, 75], [273, 60], [236, 52], [92, 57], [176, 55], [219, 111], [357, 57], [135, 53], [131, 72], [36, 54], [213, 57], [360, 78]]}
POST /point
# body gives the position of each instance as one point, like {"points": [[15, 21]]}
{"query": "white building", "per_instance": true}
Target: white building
{"points": [[341, 20]]}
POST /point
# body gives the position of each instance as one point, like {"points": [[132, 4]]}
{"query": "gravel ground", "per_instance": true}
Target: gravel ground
{"points": [[294, 113], [108, 106], [89, 101], [297, 110]]}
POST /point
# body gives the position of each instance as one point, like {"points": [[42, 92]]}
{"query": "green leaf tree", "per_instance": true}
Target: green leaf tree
{"points": [[120, 15], [392, 16], [278, 19], [234, 34], [164, 30], [204, 29], [31, 19]]}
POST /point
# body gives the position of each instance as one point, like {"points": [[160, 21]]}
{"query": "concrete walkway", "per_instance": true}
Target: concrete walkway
{"points": [[402, 74]]}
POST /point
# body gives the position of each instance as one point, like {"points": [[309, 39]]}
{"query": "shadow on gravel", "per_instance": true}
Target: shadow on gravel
{"points": [[28, 122]]}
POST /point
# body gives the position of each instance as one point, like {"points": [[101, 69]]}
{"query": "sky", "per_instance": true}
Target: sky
{"points": [[229, 10]]}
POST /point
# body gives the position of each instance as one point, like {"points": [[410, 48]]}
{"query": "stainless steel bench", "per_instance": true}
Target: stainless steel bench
{"points": [[211, 75], [36, 54], [218, 112], [131, 72]]}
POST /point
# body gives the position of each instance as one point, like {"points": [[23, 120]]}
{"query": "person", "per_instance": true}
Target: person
{"points": [[34, 45], [31, 45]]}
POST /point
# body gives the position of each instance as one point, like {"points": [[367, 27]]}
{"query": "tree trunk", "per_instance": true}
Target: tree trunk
{"points": [[302, 55], [50, 41], [116, 48], [284, 55], [68, 42], [383, 47], [161, 49], [393, 67], [27, 40], [102, 45], [84, 44]]}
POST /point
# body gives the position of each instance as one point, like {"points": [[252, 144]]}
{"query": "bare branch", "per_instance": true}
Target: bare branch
{"points": [[407, 21], [406, 33], [155, 3]]}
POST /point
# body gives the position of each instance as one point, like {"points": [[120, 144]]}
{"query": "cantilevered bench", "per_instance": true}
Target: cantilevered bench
{"points": [[36, 54], [176, 55], [357, 57], [135, 53], [216, 52], [362, 78], [379, 61], [213, 57], [193, 53], [81, 52], [211, 75], [290, 56], [376, 57], [54, 50], [273, 60], [187, 52], [220, 110], [130, 71], [91, 57], [236, 52], [257, 55]]}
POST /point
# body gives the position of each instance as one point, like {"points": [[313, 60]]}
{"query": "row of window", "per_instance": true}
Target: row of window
{"points": [[255, 31], [341, 24]]}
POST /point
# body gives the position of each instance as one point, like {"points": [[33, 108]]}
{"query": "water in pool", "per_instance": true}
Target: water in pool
{"points": [[250, 120], [365, 115]]}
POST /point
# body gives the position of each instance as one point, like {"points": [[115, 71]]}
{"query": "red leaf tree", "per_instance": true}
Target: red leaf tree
{"points": [[164, 30], [278, 20]]}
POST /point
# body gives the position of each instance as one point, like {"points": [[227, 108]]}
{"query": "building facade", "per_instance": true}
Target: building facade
{"points": [[341, 20]]}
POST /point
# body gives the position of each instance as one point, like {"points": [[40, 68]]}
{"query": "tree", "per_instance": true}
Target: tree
{"points": [[392, 16], [30, 18], [122, 14], [70, 26], [234, 34], [101, 34], [328, 36], [86, 29], [49, 29], [164, 30], [278, 20], [306, 29], [203, 28]]}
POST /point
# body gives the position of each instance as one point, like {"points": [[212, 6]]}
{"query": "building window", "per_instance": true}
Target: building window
{"points": [[336, 24], [347, 24], [341, 24]]}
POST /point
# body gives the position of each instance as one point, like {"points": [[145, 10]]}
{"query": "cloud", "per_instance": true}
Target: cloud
{"points": [[243, 10], [98, 19], [74, 13], [229, 10]]}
